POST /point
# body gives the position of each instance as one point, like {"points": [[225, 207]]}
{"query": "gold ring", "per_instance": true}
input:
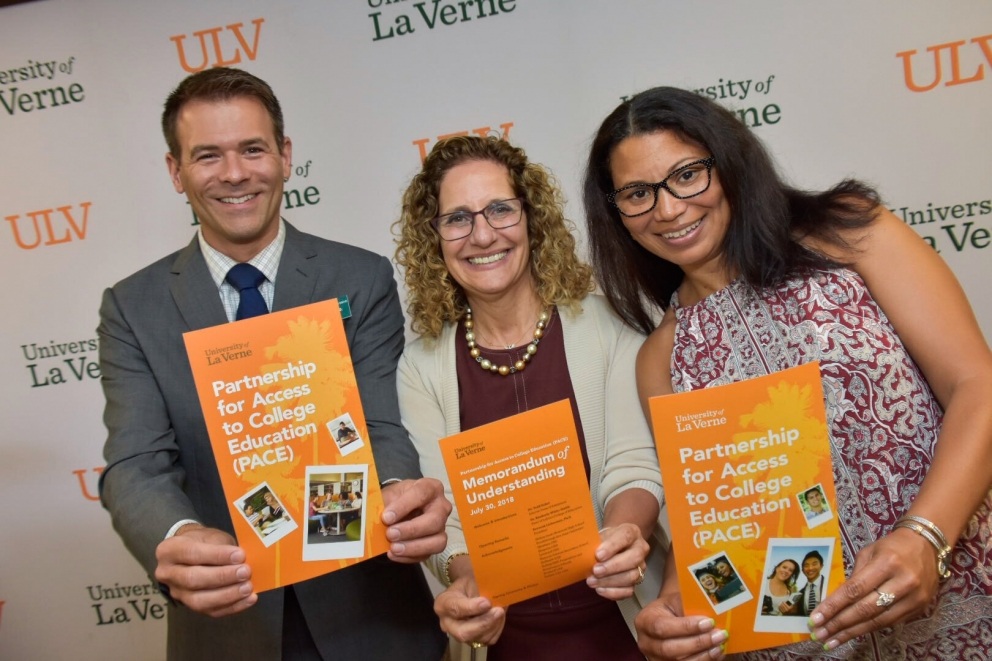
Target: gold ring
{"points": [[885, 599], [476, 646], [640, 575]]}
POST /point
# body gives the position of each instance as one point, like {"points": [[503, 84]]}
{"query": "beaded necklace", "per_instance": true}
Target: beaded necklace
{"points": [[504, 370]]}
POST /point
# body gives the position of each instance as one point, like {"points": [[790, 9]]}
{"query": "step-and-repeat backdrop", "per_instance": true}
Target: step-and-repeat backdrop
{"points": [[897, 92]]}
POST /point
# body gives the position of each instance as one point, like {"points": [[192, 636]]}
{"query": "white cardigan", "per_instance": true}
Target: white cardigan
{"points": [[601, 353]]}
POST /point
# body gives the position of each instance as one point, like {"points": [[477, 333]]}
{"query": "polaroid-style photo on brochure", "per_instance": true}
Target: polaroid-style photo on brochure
{"points": [[266, 515], [718, 579], [336, 512], [814, 505], [794, 568], [345, 434]]}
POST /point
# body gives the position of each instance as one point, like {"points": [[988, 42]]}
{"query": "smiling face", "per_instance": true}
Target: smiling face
{"points": [[786, 570], [687, 232], [811, 568], [489, 264], [708, 582], [231, 170], [814, 500], [724, 569]]}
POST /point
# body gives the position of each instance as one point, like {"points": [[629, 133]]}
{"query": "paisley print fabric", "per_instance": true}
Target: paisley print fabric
{"points": [[884, 424]]}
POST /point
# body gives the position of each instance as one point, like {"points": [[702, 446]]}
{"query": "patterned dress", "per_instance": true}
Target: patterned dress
{"points": [[884, 423]]}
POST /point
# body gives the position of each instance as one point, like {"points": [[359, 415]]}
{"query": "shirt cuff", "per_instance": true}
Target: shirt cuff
{"points": [[177, 525]]}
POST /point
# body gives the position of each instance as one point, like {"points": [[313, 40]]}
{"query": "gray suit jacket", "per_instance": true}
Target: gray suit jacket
{"points": [[160, 468]]}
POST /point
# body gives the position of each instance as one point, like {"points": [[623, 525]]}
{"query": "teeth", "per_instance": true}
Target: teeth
{"points": [[682, 232], [236, 200], [489, 259]]}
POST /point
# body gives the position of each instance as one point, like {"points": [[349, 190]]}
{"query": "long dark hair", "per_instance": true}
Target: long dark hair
{"points": [[769, 218]]}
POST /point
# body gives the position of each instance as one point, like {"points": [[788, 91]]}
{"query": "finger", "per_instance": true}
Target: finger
{"points": [[880, 609], [417, 550], [484, 629], [218, 603], [623, 563], [405, 498], [454, 604], [684, 638], [193, 578], [616, 539], [201, 547], [626, 579]]}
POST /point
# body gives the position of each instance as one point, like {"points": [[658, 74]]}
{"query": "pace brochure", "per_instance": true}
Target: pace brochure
{"points": [[285, 420], [750, 491]]}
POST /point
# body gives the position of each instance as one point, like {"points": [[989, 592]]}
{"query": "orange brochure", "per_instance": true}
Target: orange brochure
{"points": [[287, 430], [751, 500], [521, 491]]}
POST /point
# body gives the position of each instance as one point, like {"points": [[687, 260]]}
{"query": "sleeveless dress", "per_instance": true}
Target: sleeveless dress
{"points": [[884, 421]]}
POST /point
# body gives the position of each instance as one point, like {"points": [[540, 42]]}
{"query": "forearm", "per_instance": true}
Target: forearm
{"points": [[961, 473], [636, 506]]}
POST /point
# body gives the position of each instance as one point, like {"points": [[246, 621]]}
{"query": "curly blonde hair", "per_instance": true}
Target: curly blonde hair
{"points": [[434, 297]]}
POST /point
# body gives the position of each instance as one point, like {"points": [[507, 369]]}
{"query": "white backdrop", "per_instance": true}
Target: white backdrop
{"points": [[897, 92]]}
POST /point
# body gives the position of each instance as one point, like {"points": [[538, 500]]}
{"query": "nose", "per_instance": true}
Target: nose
{"points": [[482, 232], [668, 207], [234, 171]]}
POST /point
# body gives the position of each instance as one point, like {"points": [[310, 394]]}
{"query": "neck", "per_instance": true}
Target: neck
{"points": [[700, 283], [506, 321]]}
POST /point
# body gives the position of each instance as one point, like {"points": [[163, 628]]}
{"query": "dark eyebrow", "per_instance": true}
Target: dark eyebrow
{"points": [[244, 144]]}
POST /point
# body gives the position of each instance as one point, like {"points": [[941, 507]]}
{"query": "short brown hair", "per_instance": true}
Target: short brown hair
{"points": [[219, 84]]}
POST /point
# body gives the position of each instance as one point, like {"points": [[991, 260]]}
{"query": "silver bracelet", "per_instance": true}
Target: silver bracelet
{"points": [[943, 550]]}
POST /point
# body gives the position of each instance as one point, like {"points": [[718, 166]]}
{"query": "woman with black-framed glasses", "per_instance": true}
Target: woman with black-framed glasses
{"points": [[688, 218], [507, 324]]}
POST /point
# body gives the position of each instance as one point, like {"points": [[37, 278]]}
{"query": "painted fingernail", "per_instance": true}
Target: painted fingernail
{"points": [[719, 636], [815, 620], [707, 624], [831, 644]]}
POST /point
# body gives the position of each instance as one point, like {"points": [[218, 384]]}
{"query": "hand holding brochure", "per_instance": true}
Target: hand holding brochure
{"points": [[750, 491], [286, 426], [523, 498]]}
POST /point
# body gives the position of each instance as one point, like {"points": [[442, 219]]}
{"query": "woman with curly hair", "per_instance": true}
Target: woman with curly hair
{"points": [[687, 215], [508, 324]]}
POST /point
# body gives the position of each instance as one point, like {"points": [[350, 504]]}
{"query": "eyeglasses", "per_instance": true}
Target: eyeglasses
{"points": [[688, 181], [459, 224]]}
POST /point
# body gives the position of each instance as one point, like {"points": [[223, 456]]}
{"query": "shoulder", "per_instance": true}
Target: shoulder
{"points": [[315, 246], [423, 352], [155, 274], [594, 311]]}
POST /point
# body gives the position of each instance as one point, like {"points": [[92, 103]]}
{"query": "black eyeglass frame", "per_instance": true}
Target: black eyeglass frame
{"points": [[435, 221], [709, 162]]}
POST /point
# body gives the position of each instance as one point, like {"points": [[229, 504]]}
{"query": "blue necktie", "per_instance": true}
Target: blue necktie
{"points": [[246, 279]]}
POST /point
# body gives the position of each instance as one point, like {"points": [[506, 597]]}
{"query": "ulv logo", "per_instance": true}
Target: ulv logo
{"points": [[482, 131], [66, 226], [953, 49], [80, 474], [219, 59]]}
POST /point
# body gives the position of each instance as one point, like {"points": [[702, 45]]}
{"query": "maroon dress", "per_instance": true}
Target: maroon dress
{"points": [[574, 622], [884, 422]]}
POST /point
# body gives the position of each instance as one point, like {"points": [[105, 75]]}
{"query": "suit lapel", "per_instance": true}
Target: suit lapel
{"points": [[194, 291], [297, 279]]}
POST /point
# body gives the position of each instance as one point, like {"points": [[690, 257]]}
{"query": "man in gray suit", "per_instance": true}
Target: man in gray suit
{"points": [[228, 155]]}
